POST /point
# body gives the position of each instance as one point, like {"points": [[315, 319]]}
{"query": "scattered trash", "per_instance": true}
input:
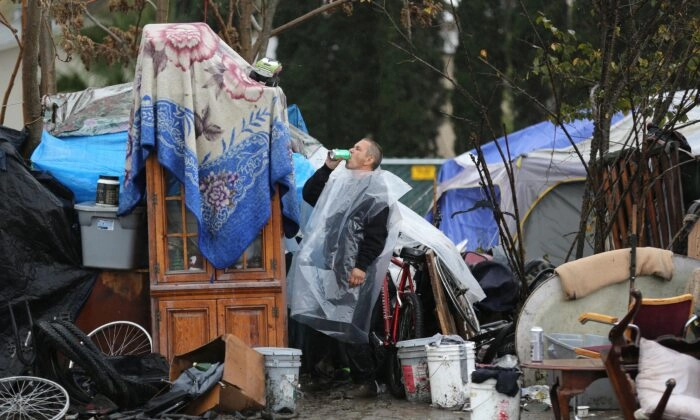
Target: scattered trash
{"points": [[535, 398], [507, 361]]}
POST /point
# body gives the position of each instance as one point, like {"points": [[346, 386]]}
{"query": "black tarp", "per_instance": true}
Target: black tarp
{"points": [[40, 250]]}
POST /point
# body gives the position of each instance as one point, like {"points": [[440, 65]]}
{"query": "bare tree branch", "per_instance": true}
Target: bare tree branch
{"points": [[307, 16], [15, 69]]}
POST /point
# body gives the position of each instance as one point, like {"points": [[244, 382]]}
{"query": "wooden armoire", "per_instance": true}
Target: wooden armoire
{"points": [[191, 301]]}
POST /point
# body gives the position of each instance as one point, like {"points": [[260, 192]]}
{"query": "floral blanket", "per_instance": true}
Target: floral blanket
{"points": [[224, 136]]}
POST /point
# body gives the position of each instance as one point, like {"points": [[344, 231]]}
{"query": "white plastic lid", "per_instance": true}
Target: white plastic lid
{"points": [[91, 206]]}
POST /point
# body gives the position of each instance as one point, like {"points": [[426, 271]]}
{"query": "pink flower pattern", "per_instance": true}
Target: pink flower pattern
{"points": [[238, 84], [218, 189], [184, 44]]}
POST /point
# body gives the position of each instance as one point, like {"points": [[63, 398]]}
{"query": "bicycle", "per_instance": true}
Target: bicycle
{"points": [[492, 339], [28, 396], [402, 313]]}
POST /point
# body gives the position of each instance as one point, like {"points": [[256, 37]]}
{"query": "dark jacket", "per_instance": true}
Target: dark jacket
{"points": [[375, 229]]}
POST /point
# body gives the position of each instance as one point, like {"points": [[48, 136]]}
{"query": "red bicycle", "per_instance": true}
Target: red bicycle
{"points": [[402, 312]]}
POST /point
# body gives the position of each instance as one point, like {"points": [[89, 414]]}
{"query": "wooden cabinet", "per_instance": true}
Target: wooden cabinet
{"points": [[192, 302]]}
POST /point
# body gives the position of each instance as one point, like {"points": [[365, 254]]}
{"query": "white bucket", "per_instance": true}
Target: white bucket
{"points": [[487, 403], [414, 368], [446, 365], [468, 363], [281, 378]]}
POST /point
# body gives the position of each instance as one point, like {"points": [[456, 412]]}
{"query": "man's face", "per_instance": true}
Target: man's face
{"points": [[359, 157]]}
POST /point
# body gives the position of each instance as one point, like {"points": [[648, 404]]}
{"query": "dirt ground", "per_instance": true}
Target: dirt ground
{"points": [[331, 405]]}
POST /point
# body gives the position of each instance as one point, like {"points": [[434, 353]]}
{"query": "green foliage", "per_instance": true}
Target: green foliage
{"points": [[108, 56], [655, 50], [350, 80], [493, 64]]}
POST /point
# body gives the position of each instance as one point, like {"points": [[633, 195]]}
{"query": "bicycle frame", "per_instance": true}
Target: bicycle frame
{"points": [[391, 317]]}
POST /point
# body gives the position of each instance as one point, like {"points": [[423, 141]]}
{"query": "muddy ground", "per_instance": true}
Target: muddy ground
{"points": [[330, 404]]}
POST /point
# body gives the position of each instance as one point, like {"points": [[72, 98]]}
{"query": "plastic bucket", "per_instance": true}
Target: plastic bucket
{"points": [[446, 366], [414, 368], [468, 362], [487, 403], [281, 378]]}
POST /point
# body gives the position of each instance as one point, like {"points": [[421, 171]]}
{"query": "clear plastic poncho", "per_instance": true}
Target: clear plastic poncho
{"points": [[317, 283]]}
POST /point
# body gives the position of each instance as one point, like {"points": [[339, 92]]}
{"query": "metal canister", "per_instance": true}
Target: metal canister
{"points": [[107, 193], [339, 154], [536, 344]]}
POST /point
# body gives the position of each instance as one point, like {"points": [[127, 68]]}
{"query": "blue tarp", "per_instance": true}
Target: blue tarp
{"points": [[478, 226], [77, 162], [295, 118]]}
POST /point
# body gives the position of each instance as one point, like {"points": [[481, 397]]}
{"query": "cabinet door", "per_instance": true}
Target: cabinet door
{"points": [[176, 247], [253, 319], [185, 325]]}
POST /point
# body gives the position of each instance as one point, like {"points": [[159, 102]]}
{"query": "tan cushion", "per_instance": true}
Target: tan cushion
{"points": [[584, 276], [657, 364]]}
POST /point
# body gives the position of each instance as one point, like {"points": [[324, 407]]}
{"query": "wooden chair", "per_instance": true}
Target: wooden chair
{"points": [[654, 317], [621, 362]]}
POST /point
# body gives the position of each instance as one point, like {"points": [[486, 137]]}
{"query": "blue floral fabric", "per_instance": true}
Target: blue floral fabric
{"points": [[224, 136]]}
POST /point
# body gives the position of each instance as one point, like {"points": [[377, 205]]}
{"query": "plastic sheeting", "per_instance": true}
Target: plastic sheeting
{"points": [[318, 279], [78, 162], [41, 253], [415, 230], [91, 112]]}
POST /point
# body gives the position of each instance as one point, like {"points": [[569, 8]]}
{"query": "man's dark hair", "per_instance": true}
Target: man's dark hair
{"points": [[375, 150]]}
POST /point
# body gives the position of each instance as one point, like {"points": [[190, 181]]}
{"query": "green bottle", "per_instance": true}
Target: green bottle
{"points": [[203, 366], [339, 154]]}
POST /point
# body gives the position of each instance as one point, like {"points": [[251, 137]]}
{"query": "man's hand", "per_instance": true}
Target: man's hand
{"points": [[332, 164], [357, 277]]}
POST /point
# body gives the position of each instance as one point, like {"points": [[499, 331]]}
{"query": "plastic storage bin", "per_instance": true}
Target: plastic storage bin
{"points": [[561, 346], [110, 241], [598, 395]]}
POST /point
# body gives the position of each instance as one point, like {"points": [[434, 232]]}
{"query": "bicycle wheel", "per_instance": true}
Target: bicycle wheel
{"points": [[502, 344], [120, 338], [459, 300], [32, 398], [410, 318], [410, 327]]}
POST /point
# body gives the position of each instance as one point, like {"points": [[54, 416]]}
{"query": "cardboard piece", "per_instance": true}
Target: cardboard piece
{"points": [[242, 386]]}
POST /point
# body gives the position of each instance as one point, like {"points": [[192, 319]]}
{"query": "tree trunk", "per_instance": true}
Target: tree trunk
{"points": [[267, 15], [162, 9], [31, 13], [245, 30], [47, 56]]}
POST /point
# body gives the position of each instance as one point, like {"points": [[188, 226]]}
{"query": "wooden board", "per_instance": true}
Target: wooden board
{"points": [[445, 320], [694, 241]]}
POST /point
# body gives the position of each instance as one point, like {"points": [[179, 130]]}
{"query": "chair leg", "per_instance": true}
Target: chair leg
{"points": [[659, 410], [554, 399]]}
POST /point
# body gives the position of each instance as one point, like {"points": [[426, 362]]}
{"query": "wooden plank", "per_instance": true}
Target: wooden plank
{"points": [[694, 241], [675, 191], [655, 211], [445, 320]]}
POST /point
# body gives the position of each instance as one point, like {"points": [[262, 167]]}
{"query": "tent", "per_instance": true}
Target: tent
{"points": [[477, 227], [549, 189]]}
